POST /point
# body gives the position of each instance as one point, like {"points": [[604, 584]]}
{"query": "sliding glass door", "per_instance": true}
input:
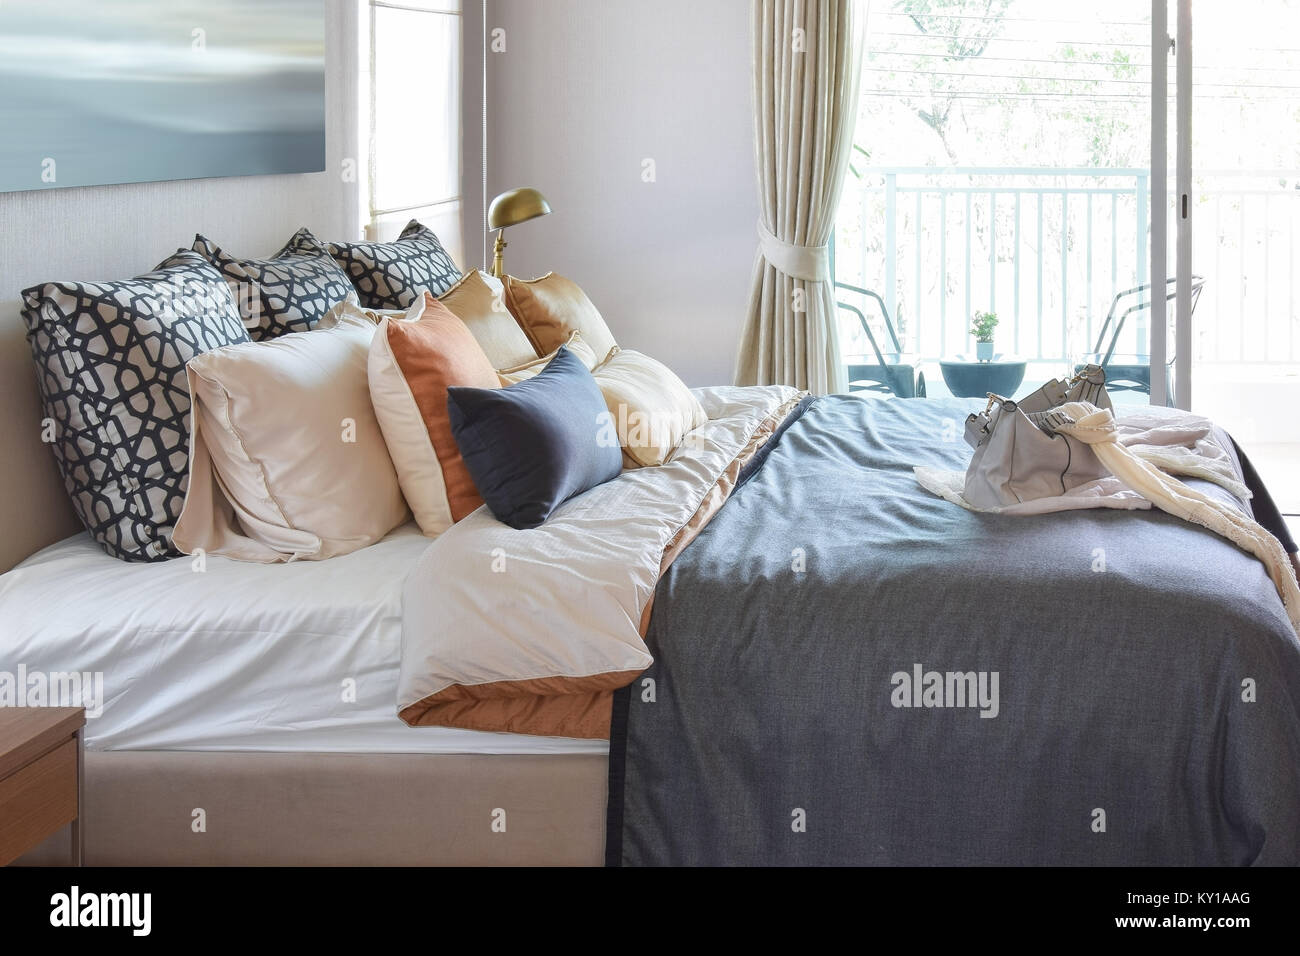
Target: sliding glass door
{"points": [[1116, 181], [1002, 166], [1244, 200]]}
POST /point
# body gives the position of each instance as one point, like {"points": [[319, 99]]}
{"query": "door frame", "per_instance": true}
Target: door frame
{"points": [[1183, 54], [1162, 42], [1159, 244]]}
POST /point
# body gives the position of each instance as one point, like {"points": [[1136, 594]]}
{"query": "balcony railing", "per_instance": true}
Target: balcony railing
{"points": [[1047, 249]]}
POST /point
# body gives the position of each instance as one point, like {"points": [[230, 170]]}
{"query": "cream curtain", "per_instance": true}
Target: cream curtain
{"points": [[807, 60]]}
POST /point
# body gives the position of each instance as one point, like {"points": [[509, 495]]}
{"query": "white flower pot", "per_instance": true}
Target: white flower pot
{"points": [[984, 351]]}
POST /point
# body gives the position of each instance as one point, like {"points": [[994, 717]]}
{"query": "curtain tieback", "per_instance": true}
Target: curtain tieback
{"points": [[811, 263]]}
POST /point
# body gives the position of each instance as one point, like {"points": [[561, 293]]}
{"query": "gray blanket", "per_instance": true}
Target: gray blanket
{"points": [[849, 670]]}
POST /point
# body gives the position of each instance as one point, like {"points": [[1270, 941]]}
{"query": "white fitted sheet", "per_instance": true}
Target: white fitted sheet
{"points": [[243, 657]]}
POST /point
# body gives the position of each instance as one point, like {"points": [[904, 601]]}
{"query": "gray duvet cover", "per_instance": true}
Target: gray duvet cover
{"points": [[849, 670]]}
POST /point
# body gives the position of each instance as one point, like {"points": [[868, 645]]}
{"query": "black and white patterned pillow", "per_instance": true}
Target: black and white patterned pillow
{"points": [[110, 363], [289, 292], [390, 275]]}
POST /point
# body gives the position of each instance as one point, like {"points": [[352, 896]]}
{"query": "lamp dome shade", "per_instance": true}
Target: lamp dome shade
{"points": [[515, 206]]}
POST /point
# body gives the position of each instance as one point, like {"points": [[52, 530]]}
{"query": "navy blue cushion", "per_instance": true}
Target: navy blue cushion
{"points": [[533, 445]]}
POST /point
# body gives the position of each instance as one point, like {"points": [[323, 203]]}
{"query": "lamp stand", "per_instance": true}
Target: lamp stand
{"points": [[499, 255]]}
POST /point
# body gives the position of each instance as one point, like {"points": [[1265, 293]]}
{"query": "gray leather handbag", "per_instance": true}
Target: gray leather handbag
{"points": [[1018, 457]]}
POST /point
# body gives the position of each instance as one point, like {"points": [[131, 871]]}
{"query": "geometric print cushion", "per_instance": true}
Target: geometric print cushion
{"points": [[289, 292], [393, 275], [110, 365]]}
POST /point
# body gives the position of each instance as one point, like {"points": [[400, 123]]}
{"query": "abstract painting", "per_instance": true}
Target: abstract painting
{"points": [[125, 91]]}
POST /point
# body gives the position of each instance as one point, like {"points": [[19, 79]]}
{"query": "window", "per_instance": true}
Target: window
{"points": [[411, 119], [1003, 165]]}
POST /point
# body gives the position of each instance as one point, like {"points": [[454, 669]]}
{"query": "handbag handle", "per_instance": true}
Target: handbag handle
{"points": [[977, 423], [1052, 394], [994, 397]]}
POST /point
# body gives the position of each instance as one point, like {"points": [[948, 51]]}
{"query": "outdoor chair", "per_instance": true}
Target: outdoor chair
{"points": [[893, 370], [1132, 372]]}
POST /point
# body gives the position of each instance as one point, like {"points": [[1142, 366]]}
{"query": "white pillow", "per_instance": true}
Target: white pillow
{"points": [[287, 459], [652, 409]]}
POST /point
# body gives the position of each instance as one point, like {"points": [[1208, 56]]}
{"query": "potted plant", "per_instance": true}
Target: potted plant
{"points": [[982, 328]]}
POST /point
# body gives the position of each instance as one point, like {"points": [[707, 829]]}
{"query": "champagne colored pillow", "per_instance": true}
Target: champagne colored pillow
{"points": [[411, 365], [521, 373], [478, 300], [550, 308], [373, 316], [651, 407], [288, 462]]}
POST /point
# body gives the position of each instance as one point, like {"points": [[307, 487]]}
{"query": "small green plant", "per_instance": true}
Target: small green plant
{"points": [[983, 325]]}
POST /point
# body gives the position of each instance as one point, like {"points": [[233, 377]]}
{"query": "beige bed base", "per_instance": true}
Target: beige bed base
{"points": [[268, 809]]}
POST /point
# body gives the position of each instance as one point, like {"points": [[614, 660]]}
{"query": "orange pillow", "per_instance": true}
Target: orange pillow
{"points": [[410, 367], [549, 309]]}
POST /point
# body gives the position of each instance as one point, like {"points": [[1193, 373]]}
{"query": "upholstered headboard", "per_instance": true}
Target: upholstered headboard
{"points": [[34, 509]]}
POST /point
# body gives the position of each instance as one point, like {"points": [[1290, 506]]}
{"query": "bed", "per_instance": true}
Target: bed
{"points": [[848, 669], [767, 588]]}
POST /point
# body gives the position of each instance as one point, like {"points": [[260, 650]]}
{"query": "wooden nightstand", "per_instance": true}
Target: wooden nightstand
{"points": [[40, 778]]}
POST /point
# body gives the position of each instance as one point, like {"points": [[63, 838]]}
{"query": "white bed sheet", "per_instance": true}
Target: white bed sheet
{"points": [[236, 657]]}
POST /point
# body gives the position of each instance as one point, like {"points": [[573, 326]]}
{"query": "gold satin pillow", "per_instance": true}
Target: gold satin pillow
{"points": [[649, 406], [575, 344], [550, 308], [478, 300]]}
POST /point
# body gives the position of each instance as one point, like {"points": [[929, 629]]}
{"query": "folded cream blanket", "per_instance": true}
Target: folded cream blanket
{"points": [[1142, 453]]}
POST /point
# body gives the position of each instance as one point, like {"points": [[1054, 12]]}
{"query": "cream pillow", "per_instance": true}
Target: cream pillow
{"points": [[478, 300], [373, 316], [651, 407], [287, 459], [509, 376]]}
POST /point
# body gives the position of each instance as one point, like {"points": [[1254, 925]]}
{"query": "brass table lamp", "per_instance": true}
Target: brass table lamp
{"points": [[509, 209]]}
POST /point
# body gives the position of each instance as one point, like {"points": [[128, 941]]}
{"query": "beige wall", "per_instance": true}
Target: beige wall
{"points": [[109, 232], [588, 89]]}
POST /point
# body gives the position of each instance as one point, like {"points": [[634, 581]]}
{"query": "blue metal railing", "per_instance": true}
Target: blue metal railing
{"points": [[1048, 247]]}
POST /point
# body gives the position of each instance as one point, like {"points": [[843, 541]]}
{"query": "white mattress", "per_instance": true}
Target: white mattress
{"points": [[245, 657]]}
